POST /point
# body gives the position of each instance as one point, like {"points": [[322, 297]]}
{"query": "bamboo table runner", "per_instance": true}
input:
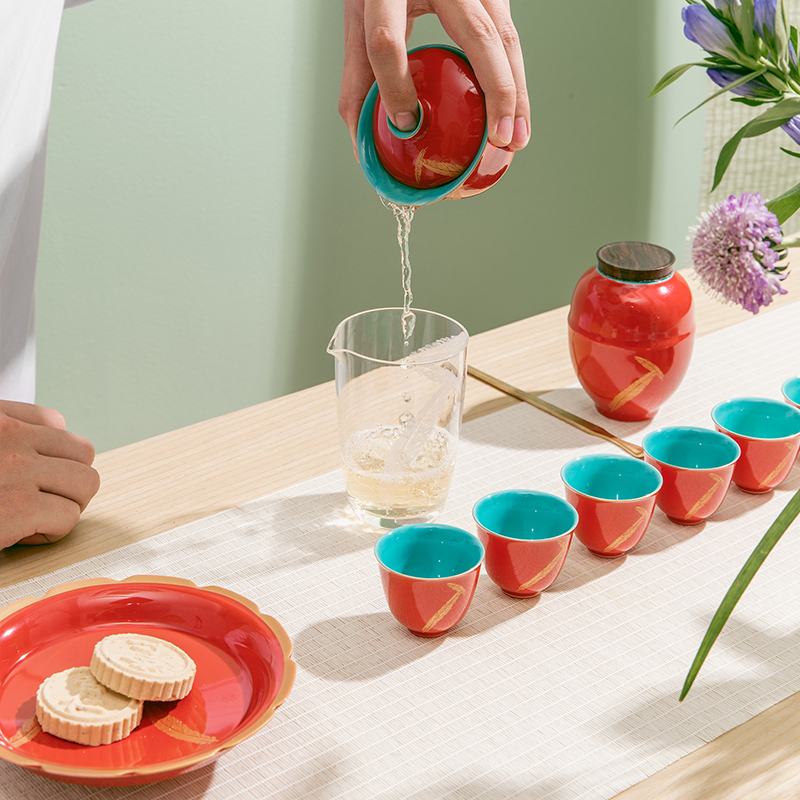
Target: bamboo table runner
{"points": [[569, 695]]}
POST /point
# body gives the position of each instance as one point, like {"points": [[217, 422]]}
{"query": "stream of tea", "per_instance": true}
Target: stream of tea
{"points": [[403, 470], [404, 215]]}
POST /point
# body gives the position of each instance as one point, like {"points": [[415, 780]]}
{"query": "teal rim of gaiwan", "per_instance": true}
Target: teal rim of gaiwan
{"points": [[429, 551], [757, 418], [612, 478], [532, 515], [688, 447], [379, 178]]}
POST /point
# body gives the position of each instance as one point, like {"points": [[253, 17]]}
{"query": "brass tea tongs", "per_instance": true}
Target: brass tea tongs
{"points": [[632, 449]]}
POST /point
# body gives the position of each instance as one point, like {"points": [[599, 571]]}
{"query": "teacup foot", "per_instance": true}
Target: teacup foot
{"points": [[520, 595], [684, 521], [607, 555], [430, 634], [766, 490]]}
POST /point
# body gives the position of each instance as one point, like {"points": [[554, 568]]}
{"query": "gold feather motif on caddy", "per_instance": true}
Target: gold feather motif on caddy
{"points": [[436, 167], [444, 610], [639, 385], [547, 570], [717, 480], [622, 538]]}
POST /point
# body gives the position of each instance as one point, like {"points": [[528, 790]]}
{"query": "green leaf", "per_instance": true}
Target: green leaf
{"points": [[790, 152], [786, 204], [749, 101], [782, 34], [746, 28], [742, 581], [732, 85], [672, 76], [772, 118]]}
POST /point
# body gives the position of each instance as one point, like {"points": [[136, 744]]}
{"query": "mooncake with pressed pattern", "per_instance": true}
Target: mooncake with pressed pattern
{"points": [[75, 706], [143, 667]]}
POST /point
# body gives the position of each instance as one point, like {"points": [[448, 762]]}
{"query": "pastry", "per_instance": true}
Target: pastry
{"points": [[143, 667], [74, 706]]}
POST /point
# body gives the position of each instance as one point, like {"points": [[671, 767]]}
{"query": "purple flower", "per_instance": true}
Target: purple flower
{"points": [[732, 251], [792, 127], [703, 28], [757, 88], [765, 17]]}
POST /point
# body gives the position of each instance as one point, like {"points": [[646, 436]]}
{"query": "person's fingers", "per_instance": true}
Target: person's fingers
{"points": [[62, 444], [386, 25], [54, 518], [33, 415], [41, 538], [470, 25], [68, 479], [357, 74], [500, 13]]}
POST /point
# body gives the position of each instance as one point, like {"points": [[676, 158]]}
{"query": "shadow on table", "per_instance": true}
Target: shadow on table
{"points": [[581, 568], [657, 718], [305, 529], [359, 647], [662, 534], [530, 437], [366, 646], [317, 779]]}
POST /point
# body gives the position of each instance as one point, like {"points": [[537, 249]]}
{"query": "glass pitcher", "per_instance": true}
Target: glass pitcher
{"points": [[399, 401]]}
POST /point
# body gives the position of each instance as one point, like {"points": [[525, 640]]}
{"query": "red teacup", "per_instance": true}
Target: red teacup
{"points": [[615, 497], [768, 433], [526, 535], [696, 465], [429, 574]]}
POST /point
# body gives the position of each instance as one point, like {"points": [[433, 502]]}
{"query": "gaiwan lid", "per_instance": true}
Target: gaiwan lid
{"points": [[426, 164], [635, 262]]}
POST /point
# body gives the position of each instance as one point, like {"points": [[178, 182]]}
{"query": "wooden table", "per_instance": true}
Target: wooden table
{"points": [[152, 486]]}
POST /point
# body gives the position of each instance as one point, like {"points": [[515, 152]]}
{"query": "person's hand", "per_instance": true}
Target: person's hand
{"points": [[375, 36], [46, 477]]}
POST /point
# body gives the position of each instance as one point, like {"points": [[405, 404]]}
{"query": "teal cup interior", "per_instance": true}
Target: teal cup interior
{"points": [[429, 551], [525, 515], [757, 418], [608, 477], [691, 448], [791, 390]]}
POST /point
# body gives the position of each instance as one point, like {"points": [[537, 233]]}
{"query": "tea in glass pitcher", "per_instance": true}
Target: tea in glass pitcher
{"points": [[399, 400]]}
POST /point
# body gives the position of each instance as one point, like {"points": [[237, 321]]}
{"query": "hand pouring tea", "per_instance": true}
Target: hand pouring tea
{"points": [[448, 153]]}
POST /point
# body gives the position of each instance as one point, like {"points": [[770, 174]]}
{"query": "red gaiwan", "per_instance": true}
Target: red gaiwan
{"points": [[631, 330], [448, 153]]}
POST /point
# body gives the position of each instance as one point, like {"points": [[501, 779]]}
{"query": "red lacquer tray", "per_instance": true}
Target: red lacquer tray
{"points": [[244, 672]]}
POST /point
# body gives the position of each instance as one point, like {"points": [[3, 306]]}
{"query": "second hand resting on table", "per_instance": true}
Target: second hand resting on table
{"points": [[46, 475]]}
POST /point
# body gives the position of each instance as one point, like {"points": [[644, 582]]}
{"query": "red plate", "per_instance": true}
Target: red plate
{"points": [[244, 672]]}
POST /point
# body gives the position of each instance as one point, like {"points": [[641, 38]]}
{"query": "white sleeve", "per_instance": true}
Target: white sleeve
{"points": [[28, 38]]}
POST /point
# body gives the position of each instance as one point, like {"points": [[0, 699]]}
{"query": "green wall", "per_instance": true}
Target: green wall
{"points": [[206, 225]]}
